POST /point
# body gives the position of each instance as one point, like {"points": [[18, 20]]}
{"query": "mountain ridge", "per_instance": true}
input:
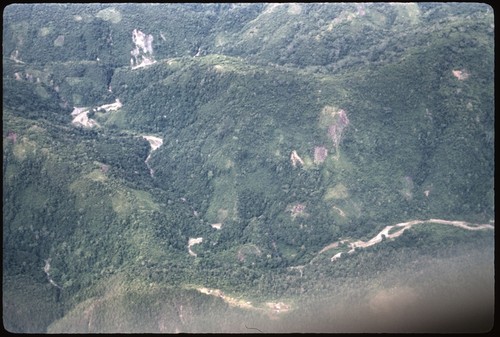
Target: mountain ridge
{"points": [[273, 139]]}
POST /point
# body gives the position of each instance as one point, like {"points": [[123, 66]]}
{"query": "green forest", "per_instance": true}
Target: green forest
{"points": [[153, 151]]}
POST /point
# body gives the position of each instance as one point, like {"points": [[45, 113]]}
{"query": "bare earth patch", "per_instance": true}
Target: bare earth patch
{"points": [[82, 119], [294, 157], [268, 307], [460, 74], [154, 142], [216, 225], [191, 242]]}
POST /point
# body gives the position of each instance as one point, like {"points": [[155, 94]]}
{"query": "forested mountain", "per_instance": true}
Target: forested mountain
{"points": [[241, 167]]}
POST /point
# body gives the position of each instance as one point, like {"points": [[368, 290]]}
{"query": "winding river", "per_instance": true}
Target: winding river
{"points": [[400, 228]]}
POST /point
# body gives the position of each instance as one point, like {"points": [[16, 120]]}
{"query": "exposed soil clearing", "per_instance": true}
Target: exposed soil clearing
{"points": [[81, 114], [191, 242], [460, 74], [294, 157], [111, 107], [269, 307], [216, 225], [155, 143], [82, 118]]}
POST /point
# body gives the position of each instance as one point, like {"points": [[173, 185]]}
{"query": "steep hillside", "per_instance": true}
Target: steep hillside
{"points": [[250, 160]]}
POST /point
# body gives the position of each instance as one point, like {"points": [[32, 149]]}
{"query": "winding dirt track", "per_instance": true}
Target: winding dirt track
{"points": [[403, 226]]}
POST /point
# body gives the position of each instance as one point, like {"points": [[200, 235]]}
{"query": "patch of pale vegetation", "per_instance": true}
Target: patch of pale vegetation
{"points": [[328, 115], [339, 191], [143, 200], [294, 9], [40, 91], [85, 182], [37, 129], [73, 80], [223, 63], [407, 190], [121, 204], [250, 249], [77, 185], [308, 162], [226, 67], [221, 40], [218, 68], [219, 158], [223, 203], [126, 201], [44, 31], [339, 211], [378, 18], [222, 214], [22, 148], [229, 164], [409, 13], [77, 98], [97, 175], [272, 7], [59, 41], [110, 14], [345, 16]]}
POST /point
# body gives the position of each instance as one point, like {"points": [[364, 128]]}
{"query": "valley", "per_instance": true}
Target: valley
{"points": [[248, 167]]}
